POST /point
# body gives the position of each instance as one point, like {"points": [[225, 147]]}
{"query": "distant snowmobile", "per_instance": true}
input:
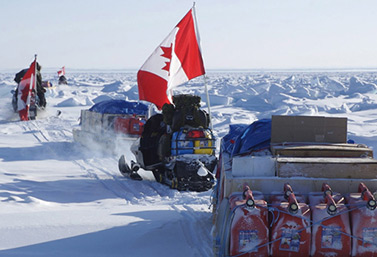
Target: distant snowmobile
{"points": [[177, 146], [63, 80], [29, 93]]}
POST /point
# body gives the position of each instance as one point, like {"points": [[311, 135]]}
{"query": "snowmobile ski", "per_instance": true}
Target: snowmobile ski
{"points": [[128, 172]]}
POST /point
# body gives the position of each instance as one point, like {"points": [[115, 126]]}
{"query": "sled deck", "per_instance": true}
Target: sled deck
{"points": [[303, 172]]}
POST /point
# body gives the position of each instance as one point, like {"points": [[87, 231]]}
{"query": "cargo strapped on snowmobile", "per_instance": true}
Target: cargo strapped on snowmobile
{"points": [[192, 141], [185, 111]]}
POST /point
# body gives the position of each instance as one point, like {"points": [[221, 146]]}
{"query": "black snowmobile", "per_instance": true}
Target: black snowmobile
{"points": [[63, 80], [177, 146]]}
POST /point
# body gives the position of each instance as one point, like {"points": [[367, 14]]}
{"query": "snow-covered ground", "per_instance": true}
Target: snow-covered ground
{"points": [[60, 199]]}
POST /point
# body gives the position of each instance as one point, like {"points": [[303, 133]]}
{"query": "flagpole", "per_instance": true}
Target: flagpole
{"points": [[35, 74], [205, 77], [35, 83], [209, 107], [35, 70]]}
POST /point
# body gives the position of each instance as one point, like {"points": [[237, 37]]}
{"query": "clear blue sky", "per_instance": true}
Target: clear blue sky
{"points": [[235, 34]]}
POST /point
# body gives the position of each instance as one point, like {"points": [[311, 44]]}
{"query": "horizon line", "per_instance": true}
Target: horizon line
{"points": [[305, 69]]}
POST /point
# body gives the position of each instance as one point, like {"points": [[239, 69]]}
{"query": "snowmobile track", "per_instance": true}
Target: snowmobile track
{"points": [[42, 136], [110, 183], [192, 235]]}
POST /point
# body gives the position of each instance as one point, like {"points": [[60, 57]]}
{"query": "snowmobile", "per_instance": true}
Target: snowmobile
{"points": [[177, 146], [63, 80], [34, 104], [37, 97]]}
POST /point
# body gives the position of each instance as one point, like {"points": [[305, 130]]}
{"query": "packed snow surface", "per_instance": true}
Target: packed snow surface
{"points": [[59, 198]]}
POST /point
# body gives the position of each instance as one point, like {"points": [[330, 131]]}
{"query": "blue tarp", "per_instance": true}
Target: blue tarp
{"points": [[120, 107], [227, 142], [256, 136]]}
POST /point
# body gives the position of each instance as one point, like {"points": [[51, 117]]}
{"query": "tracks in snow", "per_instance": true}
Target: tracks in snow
{"points": [[193, 220], [102, 168], [195, 226]]}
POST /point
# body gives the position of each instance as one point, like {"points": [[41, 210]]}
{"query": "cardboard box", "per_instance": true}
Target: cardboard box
{"points": [[308, 129]]}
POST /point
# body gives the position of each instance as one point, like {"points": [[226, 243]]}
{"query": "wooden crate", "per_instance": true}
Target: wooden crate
{"points": [[326, 167], [321, 150]]}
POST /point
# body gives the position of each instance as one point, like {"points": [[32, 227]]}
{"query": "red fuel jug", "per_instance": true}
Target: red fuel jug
{"points": [[291, 231], [364, 222], [249, 227], [227, 206], [331, 232]]}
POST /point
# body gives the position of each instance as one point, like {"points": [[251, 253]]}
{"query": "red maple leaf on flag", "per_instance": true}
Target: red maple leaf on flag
{"points": [[167, 54]]}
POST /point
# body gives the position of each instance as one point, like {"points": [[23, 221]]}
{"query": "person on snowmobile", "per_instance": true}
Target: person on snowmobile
{"points": [[20, 75], [17, 79], [40, 90]]}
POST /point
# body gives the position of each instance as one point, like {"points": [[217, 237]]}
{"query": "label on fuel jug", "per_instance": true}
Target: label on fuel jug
{"points": [[248, 240], [290, 240], [331, 238], [369, 237]]}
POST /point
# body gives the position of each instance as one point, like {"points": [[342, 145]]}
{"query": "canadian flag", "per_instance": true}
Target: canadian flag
{"points": [[25, 88], [176, 60], [61, 72]]}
